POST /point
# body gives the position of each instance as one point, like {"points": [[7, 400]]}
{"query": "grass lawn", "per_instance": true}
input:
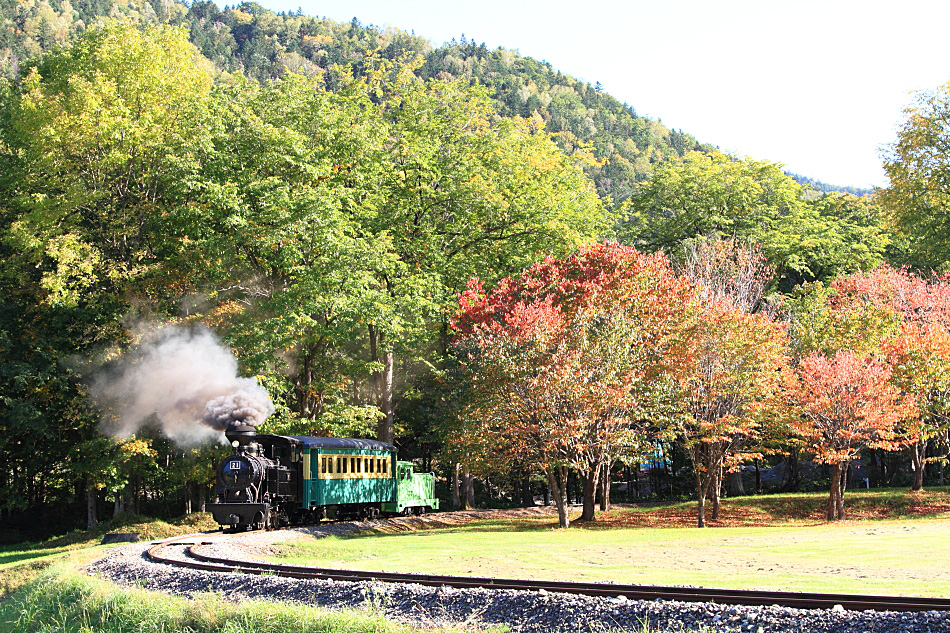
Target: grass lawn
{"points": [[43, 590], [21, 563], [64, 600], [798, 551]]}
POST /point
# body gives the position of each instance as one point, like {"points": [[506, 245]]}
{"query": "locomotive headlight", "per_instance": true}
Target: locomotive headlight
{"points": [[235, 443]]}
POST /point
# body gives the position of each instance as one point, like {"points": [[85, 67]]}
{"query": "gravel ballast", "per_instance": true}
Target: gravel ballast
{"points": [[523, 611]]}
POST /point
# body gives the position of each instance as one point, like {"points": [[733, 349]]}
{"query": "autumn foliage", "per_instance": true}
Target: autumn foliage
{"points": [[566, 361], [847, 404]]}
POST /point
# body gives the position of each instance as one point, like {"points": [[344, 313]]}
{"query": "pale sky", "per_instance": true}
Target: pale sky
{"points": [[819, 86]]}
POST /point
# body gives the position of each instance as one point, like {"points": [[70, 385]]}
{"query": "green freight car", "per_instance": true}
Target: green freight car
{"points": [[275, 480]]}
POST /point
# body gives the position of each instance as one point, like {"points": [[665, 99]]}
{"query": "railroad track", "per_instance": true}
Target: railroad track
{"points": [[194, 559]]}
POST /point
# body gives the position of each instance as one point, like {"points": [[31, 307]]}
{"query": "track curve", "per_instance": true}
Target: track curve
{"points": [[194, 559]]}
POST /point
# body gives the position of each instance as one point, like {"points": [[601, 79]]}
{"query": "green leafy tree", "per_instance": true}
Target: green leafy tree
{"points": [[715, 194], [97, 143], [352, 217], [103, 135], [918, 167]]}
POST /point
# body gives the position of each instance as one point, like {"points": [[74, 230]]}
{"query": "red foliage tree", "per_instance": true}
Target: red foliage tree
{"points": [[846, 403], [565, 360], [916, 346]]}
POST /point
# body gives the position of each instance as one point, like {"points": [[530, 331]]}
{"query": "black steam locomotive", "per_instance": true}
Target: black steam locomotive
{"points": [[276, 480]]}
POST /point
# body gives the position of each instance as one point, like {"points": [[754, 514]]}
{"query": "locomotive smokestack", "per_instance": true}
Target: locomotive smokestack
{"points": [[240, 433]]}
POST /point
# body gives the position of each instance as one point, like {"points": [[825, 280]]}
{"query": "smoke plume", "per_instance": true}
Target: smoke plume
{"points": [[183, 380]]}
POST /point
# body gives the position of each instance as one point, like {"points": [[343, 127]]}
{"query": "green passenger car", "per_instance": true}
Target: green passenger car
{"points": [[346, 476]]}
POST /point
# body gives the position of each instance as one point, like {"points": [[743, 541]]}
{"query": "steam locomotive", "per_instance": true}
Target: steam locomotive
{"points": [[275, 480]]}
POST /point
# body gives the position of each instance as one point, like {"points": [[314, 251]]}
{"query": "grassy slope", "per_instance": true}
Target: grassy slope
{"points": [[21, 563], [799, 552], [42, 590], [63, 600]]}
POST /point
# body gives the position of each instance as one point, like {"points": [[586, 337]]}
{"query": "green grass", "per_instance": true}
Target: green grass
{"points": [[21, 563], [43, 590], [62, 600], [905, 556]]}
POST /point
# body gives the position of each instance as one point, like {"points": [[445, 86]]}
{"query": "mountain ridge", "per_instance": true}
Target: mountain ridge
{"points": [[264, 44]]}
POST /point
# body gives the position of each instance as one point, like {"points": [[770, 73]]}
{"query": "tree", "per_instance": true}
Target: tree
{"points": [[98, 143], [565, 362], [716, 194], [736, 362], [919, 357], [905, 319], [455, 193], [918, 167], [340, 223], [730, 394], [846, 403], [105, 134]]}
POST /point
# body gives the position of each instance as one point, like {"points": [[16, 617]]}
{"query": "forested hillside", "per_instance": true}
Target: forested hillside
{"points": [[264, 45]]}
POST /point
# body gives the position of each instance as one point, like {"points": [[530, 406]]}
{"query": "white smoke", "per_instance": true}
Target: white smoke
{"points": [[186, 382]]}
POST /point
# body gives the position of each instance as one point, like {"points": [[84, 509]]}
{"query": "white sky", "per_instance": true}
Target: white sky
{"points": [[819, 86]]}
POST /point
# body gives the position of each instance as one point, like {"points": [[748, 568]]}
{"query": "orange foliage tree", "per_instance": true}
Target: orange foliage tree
{"points": [[565, 362], [731, 394], [919, 356], [732, 389], [846, 403], [916, 345]]}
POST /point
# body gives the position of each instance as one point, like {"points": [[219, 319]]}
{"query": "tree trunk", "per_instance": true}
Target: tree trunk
{"points": [[383, 382], [758, 479], [456, 497], [558, 493], [468, 490], [527, 499], [589, 480], [845, 470], [605, 489], [701, 499], [918, 452], [836, 500], [793, 473], [716, 490], [188, 495], [91, 522], [734, 484], [201, 498], [547, 495]]}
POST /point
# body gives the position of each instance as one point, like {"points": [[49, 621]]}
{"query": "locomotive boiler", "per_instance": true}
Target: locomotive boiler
{"points": [[277, 480]]}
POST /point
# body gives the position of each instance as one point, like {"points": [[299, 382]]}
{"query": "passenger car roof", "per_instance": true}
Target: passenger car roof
{"points": [[332, 442]]}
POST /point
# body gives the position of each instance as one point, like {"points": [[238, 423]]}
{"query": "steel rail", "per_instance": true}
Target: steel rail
{"points": [[803, 600]]}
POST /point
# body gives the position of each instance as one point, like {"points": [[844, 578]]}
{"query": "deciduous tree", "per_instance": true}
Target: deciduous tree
{"points": [[566, 361], [846, 404], [803, 239], [730, 395], [918, 167]]}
